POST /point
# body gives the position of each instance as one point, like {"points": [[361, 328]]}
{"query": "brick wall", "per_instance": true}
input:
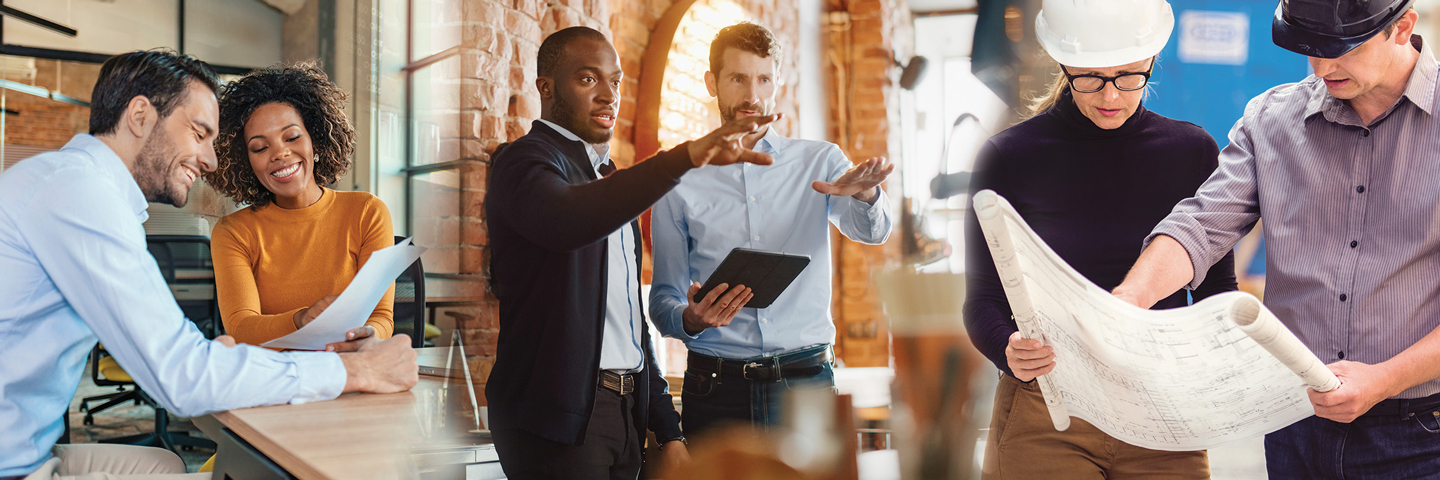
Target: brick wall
{"points": [[498, 102], [41, 122], [864, 112]]}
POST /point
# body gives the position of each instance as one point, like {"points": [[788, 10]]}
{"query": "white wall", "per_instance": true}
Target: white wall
{"points": [[244, 33], [947, 91]]}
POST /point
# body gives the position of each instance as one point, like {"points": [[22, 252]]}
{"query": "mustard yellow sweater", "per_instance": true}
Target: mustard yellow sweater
{"points": [[271, 262]]}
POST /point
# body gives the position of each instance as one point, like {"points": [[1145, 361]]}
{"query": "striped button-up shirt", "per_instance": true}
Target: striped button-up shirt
{"points": [[1350, 212]]}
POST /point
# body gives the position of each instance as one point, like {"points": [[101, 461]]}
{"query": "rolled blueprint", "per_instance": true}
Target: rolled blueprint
{"points": [[1007, 264], [1179, 379], [1267, 330]]}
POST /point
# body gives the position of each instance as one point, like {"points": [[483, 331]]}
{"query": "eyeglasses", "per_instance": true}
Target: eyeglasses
{"points": [[1088, 83]]}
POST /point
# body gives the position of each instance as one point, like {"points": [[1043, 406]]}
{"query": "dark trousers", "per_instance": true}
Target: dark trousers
{"points": [[714, 401], [1396, 440], [610, 449]]}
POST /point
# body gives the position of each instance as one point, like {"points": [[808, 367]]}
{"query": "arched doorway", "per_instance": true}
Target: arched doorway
{"points": [[673, 105]]}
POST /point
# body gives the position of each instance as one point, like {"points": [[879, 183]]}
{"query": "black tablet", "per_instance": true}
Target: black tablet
{"points": [[767, 274]]}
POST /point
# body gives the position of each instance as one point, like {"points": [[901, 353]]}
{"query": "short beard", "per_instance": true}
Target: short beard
{"points": [[564, 114], [155, 170], [727, 115]]}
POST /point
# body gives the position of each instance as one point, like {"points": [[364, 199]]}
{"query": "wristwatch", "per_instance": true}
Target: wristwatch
{"points": [[664, 442]]}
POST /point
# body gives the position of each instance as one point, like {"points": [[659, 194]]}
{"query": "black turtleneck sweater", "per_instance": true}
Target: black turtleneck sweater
{"points": [[1093, 195]]}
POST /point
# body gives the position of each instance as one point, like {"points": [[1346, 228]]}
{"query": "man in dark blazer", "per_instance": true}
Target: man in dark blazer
{"points": [[575, 384]]}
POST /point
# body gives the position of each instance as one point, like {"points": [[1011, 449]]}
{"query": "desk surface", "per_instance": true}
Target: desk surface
{"points": [[354, 436]]}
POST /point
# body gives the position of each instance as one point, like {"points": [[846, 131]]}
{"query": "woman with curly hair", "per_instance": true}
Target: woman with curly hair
{"points": [[280, 261]]}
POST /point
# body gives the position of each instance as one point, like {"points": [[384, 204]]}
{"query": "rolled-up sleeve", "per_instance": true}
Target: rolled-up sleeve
{"points": [[1225, 207], [96, 255]]}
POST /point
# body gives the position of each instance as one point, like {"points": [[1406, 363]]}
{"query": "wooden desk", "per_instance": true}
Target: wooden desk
{"points": [[354, 436]]}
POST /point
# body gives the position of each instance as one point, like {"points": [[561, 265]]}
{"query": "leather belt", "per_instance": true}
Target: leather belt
{"points": [[622, 383], [1405, 407], [804, 363]]}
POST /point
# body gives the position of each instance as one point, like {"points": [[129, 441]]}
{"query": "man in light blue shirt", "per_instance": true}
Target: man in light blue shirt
{"points": [[742, 360], [76, 270]]}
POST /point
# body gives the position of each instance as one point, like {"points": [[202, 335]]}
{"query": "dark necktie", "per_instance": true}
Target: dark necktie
{"points": [[606, 168]]}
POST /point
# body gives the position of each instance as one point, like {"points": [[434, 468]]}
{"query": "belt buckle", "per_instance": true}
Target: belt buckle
{"points": [[773, 364], [627, 384], [745, 371]]}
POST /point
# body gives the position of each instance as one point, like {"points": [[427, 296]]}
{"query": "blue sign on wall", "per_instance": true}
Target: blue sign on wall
{"points": [[1219, 57]]}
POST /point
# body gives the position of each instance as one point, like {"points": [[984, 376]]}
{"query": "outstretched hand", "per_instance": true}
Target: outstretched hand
{"points": [[861, 181], [722, 146]]}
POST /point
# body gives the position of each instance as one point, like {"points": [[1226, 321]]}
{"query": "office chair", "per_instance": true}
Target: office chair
{"points": [[184, 261], [409, 309], [186, 264]]}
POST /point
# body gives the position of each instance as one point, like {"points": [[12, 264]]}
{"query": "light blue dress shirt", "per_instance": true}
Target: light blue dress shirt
{"points": [[622, 287], [73, 269], [773, 208]]}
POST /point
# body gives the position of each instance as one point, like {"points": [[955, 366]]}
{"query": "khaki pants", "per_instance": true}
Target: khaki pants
{"points": [[113, 462], [1024, 444]]}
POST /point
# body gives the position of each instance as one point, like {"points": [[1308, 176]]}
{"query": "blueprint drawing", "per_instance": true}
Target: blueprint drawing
{"points": [[1189, 378]]}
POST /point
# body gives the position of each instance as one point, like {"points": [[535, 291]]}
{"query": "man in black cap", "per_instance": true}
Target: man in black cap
{"points": [[1344, 166]]}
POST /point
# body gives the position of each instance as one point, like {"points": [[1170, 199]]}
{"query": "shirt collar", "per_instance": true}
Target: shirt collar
{"points": [[599, 153], [771, 142], [106, 159], [1419, 89]]}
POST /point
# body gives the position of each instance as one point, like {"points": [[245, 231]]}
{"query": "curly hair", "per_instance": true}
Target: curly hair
{"points": [[321, 105]]}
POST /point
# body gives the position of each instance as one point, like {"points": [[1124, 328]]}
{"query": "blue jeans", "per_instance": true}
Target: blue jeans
{"points": [[708, 402], [1389, 446]]}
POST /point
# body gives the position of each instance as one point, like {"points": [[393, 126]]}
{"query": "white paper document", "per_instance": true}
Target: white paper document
{"points": [[1189, 378], [354, 305]]}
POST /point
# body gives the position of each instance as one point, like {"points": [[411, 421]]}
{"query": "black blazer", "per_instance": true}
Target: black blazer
{"points": [[549, 218]]}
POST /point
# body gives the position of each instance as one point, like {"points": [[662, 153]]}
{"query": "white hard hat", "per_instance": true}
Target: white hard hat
{"points": [[1103, 33]]}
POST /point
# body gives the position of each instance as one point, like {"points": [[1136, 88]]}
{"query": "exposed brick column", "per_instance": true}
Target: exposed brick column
{"points": [[498, 102], [863, 112]]}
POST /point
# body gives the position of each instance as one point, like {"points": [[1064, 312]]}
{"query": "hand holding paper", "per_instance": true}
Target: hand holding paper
{"points": [[308, 314], [353, 306]]}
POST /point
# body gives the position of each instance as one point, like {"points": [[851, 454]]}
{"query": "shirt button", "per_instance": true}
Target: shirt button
{"points": [[1365, 133], [1360, 189], [1341, 355], [757, 237], [1353, 243], [1343, 297], [752, 198]]}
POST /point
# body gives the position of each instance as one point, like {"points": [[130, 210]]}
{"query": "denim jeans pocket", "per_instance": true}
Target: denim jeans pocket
{"points": [[824, 379], [698, 384], [1430, 421]]}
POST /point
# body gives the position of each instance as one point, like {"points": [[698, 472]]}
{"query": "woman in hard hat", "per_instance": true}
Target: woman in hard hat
{"points": [[1092, 171]]}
